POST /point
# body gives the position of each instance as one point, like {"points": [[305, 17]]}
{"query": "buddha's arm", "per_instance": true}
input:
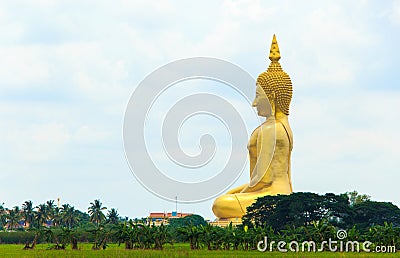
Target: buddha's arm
{"points": [[253, 160], [265, 152]]}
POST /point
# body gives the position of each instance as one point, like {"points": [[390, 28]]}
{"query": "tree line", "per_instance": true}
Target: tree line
{"points": [[302, 209], [296, 217], [50, 215]]}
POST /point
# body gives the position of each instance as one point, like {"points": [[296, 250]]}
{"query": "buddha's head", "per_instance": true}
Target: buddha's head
{"points": [[274, 85]]}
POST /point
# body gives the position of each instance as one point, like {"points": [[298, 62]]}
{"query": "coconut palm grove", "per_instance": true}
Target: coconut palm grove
{"points": [[296, 217]]}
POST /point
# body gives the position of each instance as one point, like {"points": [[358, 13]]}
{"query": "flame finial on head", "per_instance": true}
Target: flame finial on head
{"points": [[274, 54], [276, 81]]}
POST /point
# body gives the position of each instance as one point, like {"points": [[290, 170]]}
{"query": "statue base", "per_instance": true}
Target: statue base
{"points": [[226, 222]]}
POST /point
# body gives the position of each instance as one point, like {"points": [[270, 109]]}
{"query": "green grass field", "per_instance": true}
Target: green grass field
{"points": [[178, 250]]}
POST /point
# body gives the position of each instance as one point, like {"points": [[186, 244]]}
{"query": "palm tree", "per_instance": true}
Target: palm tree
{"points": [[207, 235], [51, 211], [57, 217], [69, 216], [41, 215], [159, 235], [68, 235], [96, 212], [126, 233], [192, 234], [13, 218], [144, 236], [320, 230], [384, 235], [28, 213], [3, 216], [293, 233], [112, 216]]}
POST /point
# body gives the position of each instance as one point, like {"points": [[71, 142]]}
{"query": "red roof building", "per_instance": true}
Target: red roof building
{"points": [[159, 218]]}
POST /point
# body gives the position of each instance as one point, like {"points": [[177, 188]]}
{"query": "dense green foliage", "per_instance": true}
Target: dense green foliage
{"points": [[299, 216], [303, 209], [193, 220]]}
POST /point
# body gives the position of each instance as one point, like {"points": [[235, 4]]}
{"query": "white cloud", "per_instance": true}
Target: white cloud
{"points": [[394, 13], [22, 66], [86, 134], [67, 72], [39, 142]]}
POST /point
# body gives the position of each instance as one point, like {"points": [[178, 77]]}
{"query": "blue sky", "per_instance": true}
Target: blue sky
{"points": [[68, 68]]}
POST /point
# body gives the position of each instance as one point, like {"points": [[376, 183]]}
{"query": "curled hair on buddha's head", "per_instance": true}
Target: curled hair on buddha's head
{"points": [[275, 81]]}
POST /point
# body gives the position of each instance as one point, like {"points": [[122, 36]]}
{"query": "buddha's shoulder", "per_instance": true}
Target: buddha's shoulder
{"points": [[268, 125], [271, 126]]}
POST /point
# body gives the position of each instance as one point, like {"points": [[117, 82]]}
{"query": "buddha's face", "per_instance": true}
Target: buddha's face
{"points": [[261, 102]]}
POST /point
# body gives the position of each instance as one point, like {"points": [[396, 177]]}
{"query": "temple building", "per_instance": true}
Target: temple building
{"points": [[158, 218]]}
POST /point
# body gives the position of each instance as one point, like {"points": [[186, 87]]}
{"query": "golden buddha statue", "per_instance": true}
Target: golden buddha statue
{"points": [[270, 144]]}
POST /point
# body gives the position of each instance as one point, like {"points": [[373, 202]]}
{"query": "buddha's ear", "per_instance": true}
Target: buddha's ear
{"points": [[271, 98], [273, 107]]}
